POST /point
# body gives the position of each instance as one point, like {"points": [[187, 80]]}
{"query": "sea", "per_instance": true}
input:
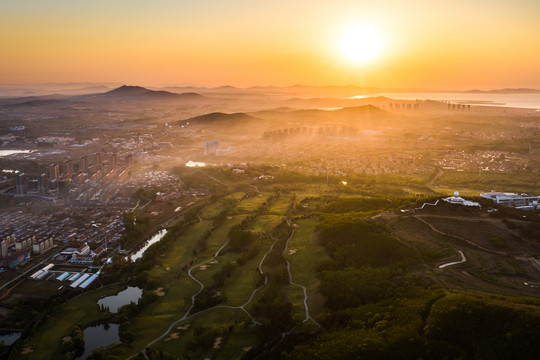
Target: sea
{"points": [[528, 101]]}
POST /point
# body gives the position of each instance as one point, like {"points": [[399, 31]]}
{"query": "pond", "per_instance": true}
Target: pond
{"points": [[9, 338], [4, 153], [122, 298], [154, 239], [97, 336]]}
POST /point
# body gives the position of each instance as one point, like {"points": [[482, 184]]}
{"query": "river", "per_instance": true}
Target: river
{"points": [[154, 239]]}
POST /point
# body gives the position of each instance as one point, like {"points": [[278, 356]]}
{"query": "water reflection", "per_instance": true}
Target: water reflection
{"points": [[154, 239], [122, 298], [97, 336]]}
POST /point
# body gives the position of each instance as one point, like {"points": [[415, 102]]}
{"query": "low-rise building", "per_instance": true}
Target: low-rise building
{"points": [[518, 201]]}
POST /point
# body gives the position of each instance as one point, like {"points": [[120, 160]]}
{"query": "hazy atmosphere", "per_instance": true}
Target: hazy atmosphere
{"points": [[438, 45]]}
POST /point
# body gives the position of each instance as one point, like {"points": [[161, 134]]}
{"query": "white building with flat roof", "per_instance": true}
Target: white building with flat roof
{"points": [[458, 200], [518, 201]]}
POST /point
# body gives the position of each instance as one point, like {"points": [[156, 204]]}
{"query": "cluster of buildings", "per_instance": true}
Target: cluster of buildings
{"points": [[519, 201], [83, 255], [76, 279], [64, 225], [94, 180], [458, 200], [332, 131], [15, 252], [489, 161]]}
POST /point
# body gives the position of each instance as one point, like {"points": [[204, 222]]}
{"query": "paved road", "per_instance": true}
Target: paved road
{"points": [[463, 259], [188, 316], [306, 308]]}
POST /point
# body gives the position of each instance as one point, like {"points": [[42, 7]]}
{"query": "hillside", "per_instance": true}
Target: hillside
{"points": [[220, 118], [141, 93]]}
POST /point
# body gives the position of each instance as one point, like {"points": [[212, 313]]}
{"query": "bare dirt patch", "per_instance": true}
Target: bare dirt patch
{"points": [[27, 350], [159, 292], [217, 342], [173, 336]]}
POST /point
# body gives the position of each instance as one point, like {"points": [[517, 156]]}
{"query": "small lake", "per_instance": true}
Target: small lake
{"points": [[4, 153], [122, 298], [97, 336], [154, 239], [191, 163], [9, 338]]}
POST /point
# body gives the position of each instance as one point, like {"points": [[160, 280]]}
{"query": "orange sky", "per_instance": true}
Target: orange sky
{"points": [[432, 44]]}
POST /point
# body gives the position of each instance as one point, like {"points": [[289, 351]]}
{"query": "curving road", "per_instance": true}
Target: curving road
{"points": [[306, 308], [463, 259], [188, 316]]}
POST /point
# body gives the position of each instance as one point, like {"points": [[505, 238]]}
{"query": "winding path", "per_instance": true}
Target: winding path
{"points": [[188, 316], [306, 308], [463, 259], [458, 237]]}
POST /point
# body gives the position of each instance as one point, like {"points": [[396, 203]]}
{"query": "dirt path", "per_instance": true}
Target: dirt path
{"points": [[458, 237], [430, 183]]}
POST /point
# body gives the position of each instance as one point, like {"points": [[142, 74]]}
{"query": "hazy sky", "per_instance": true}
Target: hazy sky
{"points": [[459, 44]]}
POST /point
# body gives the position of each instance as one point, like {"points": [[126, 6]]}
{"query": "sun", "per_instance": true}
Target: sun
{"points": [[360, 44]]}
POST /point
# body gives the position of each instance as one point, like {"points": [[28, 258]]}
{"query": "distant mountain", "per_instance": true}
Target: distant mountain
{"points": [[346, 111], [35, 100], [141, 93], [366, 116], [505, 91], [220, 118], [361, 110]]}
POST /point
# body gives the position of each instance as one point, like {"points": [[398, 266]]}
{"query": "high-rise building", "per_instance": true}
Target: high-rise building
{"points": [[43, 184], [98, 160], [211, 147], [113, 161], [4, 248], [54, 171], [22, 183], [68, 168], [129, 160], [83, 164]]}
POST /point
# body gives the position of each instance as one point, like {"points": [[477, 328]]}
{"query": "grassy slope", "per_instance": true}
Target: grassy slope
{"points": [[81, 310]]}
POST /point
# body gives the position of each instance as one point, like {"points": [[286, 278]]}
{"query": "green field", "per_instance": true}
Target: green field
{"points": [[304, 255], [82, 311], [223, 330]]}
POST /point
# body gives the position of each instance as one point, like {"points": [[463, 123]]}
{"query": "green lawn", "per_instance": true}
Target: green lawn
{"points": [[171, 268], [79, 311], [252, 203], [280, 205], [265, 223], [237, 335], [305, 260]]}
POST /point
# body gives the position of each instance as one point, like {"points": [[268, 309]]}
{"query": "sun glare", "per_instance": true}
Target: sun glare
{"points": [[360, 44]]}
